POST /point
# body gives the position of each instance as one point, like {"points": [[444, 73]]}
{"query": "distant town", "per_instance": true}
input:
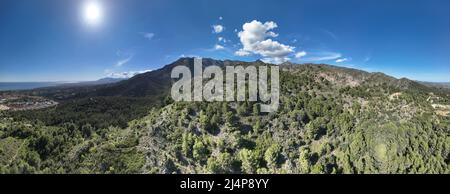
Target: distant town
{"points": [[17, 102]]}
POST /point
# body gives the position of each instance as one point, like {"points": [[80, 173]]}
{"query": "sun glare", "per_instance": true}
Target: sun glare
{"points": [[92, 13]]}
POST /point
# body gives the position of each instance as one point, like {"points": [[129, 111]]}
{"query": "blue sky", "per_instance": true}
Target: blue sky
{"points": [[54, 40]]}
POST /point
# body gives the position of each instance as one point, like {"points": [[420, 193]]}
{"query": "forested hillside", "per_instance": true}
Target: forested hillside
{"points": [[331, 120]]}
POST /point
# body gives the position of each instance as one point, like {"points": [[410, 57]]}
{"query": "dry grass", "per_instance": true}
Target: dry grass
{"points": [[443, 110], [3, 107]]}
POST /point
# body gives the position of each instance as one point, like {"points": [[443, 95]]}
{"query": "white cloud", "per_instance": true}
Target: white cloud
{"points": [[300, 54], [323, 56], [341, 60], [276, 60], [218, 28], [220, 18], [122, 62], [256, 39], [218, 47], [124, 58], [222, 39], [126, 74], [148, 35], [190, 56], [331, 34], [242, 53]]}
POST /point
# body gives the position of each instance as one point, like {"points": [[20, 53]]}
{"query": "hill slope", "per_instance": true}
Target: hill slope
{"points": [[331, 120]]}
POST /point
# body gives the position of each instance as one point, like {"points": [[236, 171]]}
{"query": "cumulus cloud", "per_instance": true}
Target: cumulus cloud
{"points": [[220, 18], [126, 74], [218, 47], [218, 28], [222, 39], [300, 54], [256, 39], [242, 53], [341, 60]]}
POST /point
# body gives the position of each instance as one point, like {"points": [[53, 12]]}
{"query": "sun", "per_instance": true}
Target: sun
{"points": [[92, 12]]}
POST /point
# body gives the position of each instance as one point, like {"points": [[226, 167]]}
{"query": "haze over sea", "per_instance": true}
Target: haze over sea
{"points": [[4, 86]]}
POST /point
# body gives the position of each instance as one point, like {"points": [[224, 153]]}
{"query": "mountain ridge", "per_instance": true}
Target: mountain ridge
{"points": [[159, 80]]}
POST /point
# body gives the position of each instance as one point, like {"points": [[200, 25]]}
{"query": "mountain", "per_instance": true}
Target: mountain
{"points": [[441, 85], [157, 83], [154, 83], [8, 86], [331, 120], [106, 80]]}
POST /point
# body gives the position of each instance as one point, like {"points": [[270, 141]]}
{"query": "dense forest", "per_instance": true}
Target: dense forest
{"points": [[330, 120]]}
